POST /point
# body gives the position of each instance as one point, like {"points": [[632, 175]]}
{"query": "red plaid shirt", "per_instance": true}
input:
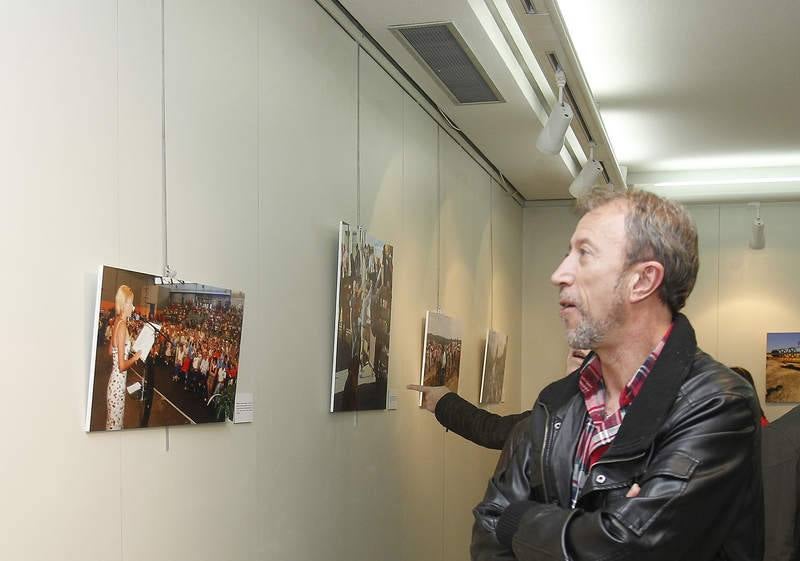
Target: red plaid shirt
{"points": [[598, 430]]}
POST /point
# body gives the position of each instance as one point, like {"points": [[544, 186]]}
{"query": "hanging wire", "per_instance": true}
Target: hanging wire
{"points": [[359, 241], [358, 138], [165, 246], [491, 253], [166, 271], [439, 237]]}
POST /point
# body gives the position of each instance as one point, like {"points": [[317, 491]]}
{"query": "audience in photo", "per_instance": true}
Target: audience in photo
{"points": [[202, 346]]}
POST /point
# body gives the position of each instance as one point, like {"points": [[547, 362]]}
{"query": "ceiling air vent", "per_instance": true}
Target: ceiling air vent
{"points": [[441, 50]]}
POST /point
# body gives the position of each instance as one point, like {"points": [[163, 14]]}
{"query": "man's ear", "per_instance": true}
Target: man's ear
{"points": [[646, 278]]}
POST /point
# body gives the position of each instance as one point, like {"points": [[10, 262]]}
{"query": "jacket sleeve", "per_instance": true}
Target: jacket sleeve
{"points": [[475, 424], [511, 483], [712, 451]]}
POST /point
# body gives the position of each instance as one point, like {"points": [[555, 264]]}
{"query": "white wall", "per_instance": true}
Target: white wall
{"points": [[740, 294], [547, 230], [274, 117]]}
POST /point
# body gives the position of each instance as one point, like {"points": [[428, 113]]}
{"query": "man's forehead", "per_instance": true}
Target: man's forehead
{"points": [[604, 223]]}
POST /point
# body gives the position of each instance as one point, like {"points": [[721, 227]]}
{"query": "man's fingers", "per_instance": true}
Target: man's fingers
{"points": [[418, 388], [633, 491]]}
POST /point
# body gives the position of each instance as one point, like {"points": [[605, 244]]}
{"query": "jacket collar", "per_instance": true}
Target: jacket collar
{"points": [[647, 412]]}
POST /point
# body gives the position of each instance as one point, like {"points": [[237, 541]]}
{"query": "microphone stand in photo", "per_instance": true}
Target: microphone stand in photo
{"points": [[148, 386]]}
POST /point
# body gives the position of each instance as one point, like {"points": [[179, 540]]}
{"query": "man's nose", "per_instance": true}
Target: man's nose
{"points": [[563, 274]]}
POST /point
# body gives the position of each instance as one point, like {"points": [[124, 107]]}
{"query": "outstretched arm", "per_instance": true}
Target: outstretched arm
{"points": [[473, 423]]}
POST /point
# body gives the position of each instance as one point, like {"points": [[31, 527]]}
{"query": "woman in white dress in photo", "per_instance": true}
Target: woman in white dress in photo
{"points": [[118, 348]]}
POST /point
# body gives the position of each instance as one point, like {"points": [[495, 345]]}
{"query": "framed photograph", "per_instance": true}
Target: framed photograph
{"points": [[783, 368], [494, 367], [363, 322], [164, 352], [441, 355]]}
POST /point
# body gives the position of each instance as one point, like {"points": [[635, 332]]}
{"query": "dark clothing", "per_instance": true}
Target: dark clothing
{"points": [[781, 464], [475, 424], [692, 441]]}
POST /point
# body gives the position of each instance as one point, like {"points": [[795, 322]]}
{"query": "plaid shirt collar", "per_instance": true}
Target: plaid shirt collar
{"points": [[593, 388], [600, 430]]}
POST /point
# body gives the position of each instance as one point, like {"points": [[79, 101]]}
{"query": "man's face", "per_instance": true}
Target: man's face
{"points": [[591, 292]]}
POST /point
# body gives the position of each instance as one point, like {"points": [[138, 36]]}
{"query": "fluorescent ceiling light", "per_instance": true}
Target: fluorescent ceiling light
{"points": [[728, 161], [728, 181]]}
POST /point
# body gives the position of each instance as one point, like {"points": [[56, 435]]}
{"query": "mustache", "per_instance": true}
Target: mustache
{"points": [[569, 301]]}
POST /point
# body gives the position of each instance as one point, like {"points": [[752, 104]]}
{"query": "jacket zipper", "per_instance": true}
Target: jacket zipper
{"points": [[544, 449]]}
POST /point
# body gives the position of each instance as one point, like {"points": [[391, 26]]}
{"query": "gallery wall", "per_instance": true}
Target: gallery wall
{"points": [[739, 297], [277, 127]]}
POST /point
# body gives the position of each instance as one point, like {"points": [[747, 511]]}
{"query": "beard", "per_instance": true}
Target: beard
{"points": [[590, 332]]}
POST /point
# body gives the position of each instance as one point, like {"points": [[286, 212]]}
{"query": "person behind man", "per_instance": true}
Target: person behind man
{"points": [[745, 373], [485, 429], [490, 430], [651, 450], [781, 465]]}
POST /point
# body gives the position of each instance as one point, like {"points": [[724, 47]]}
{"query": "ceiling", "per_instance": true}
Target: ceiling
{"points": [[693, 90], [689, 97], [506, 132]]}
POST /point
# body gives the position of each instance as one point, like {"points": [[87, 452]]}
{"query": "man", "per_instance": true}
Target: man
{"points": [[651, 450]]}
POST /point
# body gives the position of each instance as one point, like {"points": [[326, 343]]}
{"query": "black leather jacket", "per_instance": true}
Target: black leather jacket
{"points": [[691, 439]]}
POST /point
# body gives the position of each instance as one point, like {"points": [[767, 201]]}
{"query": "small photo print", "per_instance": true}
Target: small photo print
{"points": [[164, 352], [783, 368], [441, 358], [494, 367]]}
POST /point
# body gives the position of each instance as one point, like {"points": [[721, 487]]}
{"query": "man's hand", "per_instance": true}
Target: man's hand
{"points": [[633, 491], [430, 395]]}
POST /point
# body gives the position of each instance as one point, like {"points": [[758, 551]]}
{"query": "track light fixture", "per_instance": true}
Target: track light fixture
{"points": [[551, 138], [586, 179], [757, 239]]}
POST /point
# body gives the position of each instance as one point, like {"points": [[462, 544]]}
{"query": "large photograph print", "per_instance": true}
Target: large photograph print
{"points": [[164, 352], [363, 322], [494, 367], [783, 368], [441, 358]]}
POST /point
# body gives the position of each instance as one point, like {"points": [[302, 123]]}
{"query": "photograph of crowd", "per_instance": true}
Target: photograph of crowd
{"points": [[783, 368], [363, 322], [186, 374], [494, 367], [441, 357]]}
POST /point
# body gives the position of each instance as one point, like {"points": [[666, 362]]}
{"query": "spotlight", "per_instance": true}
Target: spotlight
{"points": [[586, 179], [757, 239], [551, 139]]}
